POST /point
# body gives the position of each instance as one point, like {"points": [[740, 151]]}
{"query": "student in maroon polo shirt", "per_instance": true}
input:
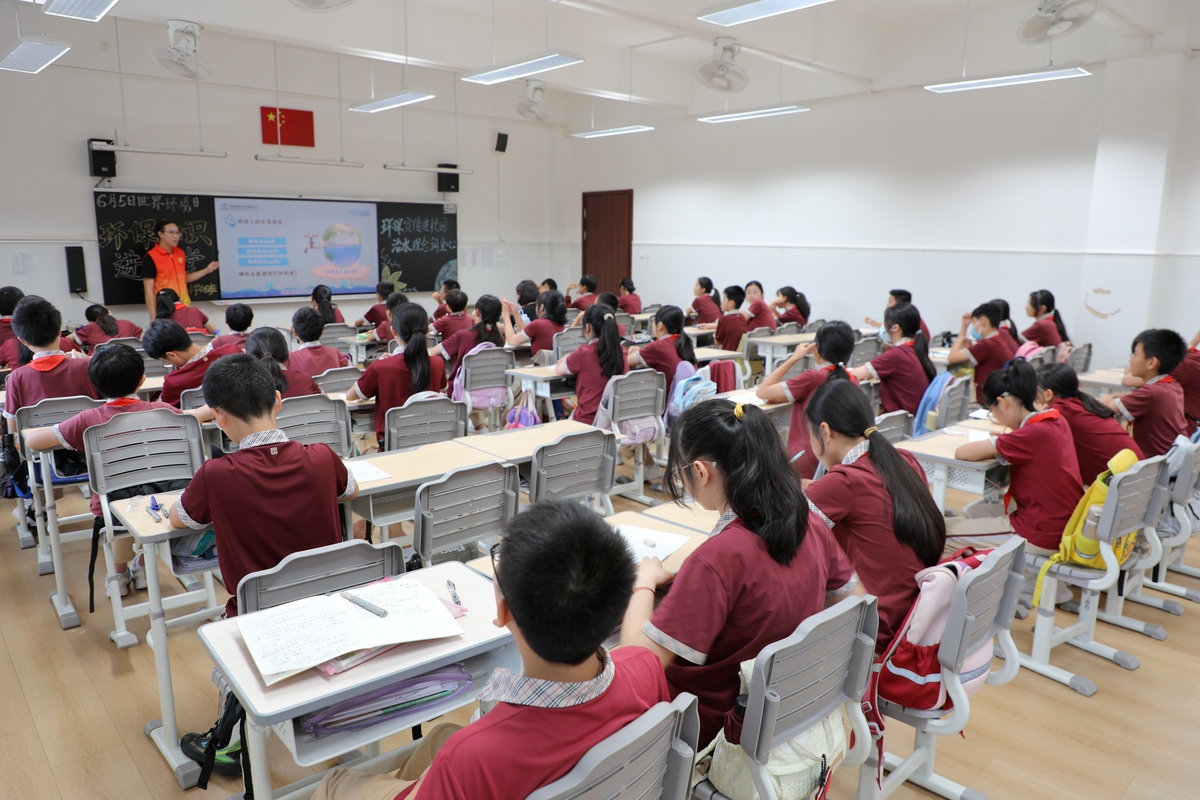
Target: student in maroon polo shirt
{"points": [[550, 317], [790, 306], [562, 578], [191, 318], [730, 327], [9, 297], [312, 357], [903, 370], [439, 297], [457, 320], [628, 301], [239, 317], [322, 303], [1187, 375], [670, 348], [768, 566], [897, 296], [587, 286], [1156, 408], [595, 361], [982, 344], [166, 339], [51, 372], [102, 326], [875, 499], [378, 312], [833, 347], [1098, 435], [383, 331], [758, 315], [706, 303], [12, 357], [1048, 329], [270, 348]]}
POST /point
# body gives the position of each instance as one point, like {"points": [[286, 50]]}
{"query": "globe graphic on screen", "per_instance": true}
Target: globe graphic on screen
{"points": [[342, 243]]}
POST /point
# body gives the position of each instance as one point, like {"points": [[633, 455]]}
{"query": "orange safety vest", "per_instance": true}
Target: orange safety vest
{"points": [[170, 271]]}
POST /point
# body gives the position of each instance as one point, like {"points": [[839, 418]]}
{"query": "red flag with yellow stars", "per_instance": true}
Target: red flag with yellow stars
{"points": [[289, 126]]}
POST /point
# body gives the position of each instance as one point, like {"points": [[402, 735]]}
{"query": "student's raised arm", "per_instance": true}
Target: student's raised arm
{"points": [[42, 438], [772, 389], [976, 451], [650, 575], [863, 373], [958, 350]]}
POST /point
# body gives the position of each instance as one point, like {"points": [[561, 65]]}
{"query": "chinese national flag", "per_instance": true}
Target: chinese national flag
{"points": [[289, 126]]}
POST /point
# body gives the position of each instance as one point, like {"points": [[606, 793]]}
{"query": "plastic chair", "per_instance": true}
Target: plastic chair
{"points": [[191, 398], [789, 329], [1081, 359], [653, 308], [641, 393], [575, 465], [424, 420], [896, 427], [954, 404], [1042, 357], [802, 679], [337, 380], [1127, 508], [464, 506], [813, 325], [319, 571], [333, 334], [154, 368], [1176, 547], [985, 601], [651, 757], [316, 419], [626, 320], [200, 338], [871, 390], [488, 369], [131, 450], [865, 349], [567, 341], [739, 377]]}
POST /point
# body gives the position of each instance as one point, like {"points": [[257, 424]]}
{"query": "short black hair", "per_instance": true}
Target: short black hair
{"points": [[164, 336], [116, 369], [36, 321], [736, 295], [384, 288], [241, 386], [449, 284], [9, 297], [527, 292], [239, 317], [901, 295], [394, 301], [990, 311], [588, 282], [307, 324], [607, 299], [456, 300], [566, 576], [1162, 343], [550, 284]]}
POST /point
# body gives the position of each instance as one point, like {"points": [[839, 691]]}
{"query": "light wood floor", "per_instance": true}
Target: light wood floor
{"points": [[74, 707]]}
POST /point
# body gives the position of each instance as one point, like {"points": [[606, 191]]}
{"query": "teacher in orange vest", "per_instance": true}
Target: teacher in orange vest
{"points": [[165, 266]]}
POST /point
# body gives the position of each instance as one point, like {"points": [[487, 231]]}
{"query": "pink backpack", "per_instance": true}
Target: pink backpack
{"points": [[1027, 349], [481, 399]]}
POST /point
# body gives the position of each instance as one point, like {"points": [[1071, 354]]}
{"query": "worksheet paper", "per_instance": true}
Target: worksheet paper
{"points": [[648, 543], [305, 633], [364, 471], [746, 399]]}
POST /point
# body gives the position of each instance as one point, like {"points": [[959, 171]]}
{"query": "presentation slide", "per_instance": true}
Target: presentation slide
{"points": [[283, 248]]}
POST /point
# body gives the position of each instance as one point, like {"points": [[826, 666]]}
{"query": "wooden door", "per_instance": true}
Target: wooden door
{"points": [[608, 237]]}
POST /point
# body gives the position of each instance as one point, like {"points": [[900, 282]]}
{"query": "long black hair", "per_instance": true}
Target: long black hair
{"points": [[1043, 298], [915, 517], [603, 322], [322, 295], [707, 285], [797, 299], [627, 285], [1062, 380], [554, 306], [268, 346], [671, 318], [760, 486], [835, 344], [1018, 379], [410, 323], [908, 318], [164, 303], [488, 328], [104, 320], [1005, 315]]}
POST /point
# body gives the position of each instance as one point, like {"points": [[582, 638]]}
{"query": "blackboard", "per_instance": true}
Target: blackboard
{"points": [[125, 223], [418, 245]]}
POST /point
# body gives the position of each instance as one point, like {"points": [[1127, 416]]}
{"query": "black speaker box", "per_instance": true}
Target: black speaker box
{"points": [[76, 275], [103, 162], [448, 181], [501, 142]]}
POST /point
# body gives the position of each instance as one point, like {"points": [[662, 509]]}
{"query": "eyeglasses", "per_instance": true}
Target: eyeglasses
{"points": [[494, 552]]}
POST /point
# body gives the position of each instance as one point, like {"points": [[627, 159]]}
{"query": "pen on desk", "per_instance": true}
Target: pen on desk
{"points": [[453, 593], [358, 601], [154, 514], [798, 456]]}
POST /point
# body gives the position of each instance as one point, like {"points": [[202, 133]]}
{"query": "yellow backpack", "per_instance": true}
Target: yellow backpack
{"points": [[1076, 548]]}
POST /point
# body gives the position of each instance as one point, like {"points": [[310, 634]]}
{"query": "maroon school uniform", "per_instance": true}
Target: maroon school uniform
{"points": [[792, 315], [70, 432], [191, 374], [541, 334], [315, 358], [300, 384], [452, 323], [582, 303], [1043, 476], [1156, 411], [706, 309], [90, 335], [238, 340], [760, 317], [730, 599], [1044, 332], [987, 356], [731, 328], [267, 500], [1187, 375], [584, 364], [662, 355], [456, 347], [47, 375], [853, 501], [1097, 439], [376, 314], [10, 351], [390, 383], [555, 723], [441, 311], [6, 331], [902, 379], [798, 390], [629, 303], [190, 317]]}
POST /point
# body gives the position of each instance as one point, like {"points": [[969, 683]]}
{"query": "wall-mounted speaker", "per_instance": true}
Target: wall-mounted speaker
{"points": [[501, 142], [448, 181], [76, 274], [103, 163]]}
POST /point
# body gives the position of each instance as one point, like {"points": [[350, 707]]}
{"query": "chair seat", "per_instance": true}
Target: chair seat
{"points": [[1074, 574], [909, 715]]}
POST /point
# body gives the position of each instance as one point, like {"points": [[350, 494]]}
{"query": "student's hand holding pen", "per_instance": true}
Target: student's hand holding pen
{"points": [[651, 574]]}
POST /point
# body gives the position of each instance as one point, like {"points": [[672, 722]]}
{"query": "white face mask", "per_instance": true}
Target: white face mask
{"points": [[884, 336]]}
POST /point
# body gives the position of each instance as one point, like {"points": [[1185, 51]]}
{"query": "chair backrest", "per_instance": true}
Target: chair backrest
{"points": [[154, 367], [865, 349], [567, 341], [748, 347], [572, 313], [424, 420], [651, 757], [52, 411], [802, 365], [789, 329], [626, 320], [487, 369], [1131, 495], [984, 603], [800, 680], [813, 325], [191, 398], [140, 447], [464, 506], [896, 426], [316, 419], [1081, 358], [653, 308], [1188, 479], [573, 465], [641, 393], [1042, 357], [334, 333], [199, 337], [321, 570], [338, 379], [955, 403], [871, 390]]}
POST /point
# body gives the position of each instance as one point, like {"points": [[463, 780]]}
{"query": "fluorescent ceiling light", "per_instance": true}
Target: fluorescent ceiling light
{"points": [[1049, 74], [524, 68], [596, 134], [405, 98], [742, 11], [158, 151], [321, 162], [443, 170], [738, 116], [90, 10], [33, 54]]}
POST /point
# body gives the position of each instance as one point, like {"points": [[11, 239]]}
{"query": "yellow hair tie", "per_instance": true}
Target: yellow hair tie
{"points": [[867, 433], [739, 412]]}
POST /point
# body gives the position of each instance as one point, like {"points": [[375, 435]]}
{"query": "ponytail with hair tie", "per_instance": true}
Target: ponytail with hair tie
{"points": [[867, 433], [739, 412]]}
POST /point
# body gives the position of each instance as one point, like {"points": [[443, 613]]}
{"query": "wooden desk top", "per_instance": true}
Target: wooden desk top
{"points": [[694, 331], [982, 425], [751, 397], [143, 527], [715, 354], [1107, 378], [517, 446], [151, 385], [690, 516], [939, 355], [542, 374], [941, 446], [789, 340], [415, 466]]}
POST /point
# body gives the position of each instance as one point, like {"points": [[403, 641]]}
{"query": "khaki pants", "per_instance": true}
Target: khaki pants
{"points": [[355, 784], [993, 532]]}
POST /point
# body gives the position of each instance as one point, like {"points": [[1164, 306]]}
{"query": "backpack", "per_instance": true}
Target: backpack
{"points": [[1062, 353], [636, 430], [908, 673], [522, 414], [687, 393], [481, 399], [1027, 349]]}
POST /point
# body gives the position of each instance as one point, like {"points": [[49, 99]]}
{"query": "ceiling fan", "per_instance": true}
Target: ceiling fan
{"points": [[1054, 18], [182, 56], [720, 72]]}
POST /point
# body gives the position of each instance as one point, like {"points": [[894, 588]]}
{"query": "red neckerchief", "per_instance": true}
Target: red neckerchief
{"points": [[178, 306], [121, 402], [48, 363], [908, 344], [673, 336], [1166, 379]]}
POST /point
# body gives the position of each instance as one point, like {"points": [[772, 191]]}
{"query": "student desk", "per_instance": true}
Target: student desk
{"points": [[705, 354], [940, 356], [776, 348], [780, 414], [690, 516], [982, 425], [642, 320], [517, 446], [699, 334], [361, 349], [150, 386], [935, 452], [1101, 381], [538, 380], [481, 648]]}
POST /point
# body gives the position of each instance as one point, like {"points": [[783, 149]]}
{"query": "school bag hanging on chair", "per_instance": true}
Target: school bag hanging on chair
{"points": [[687, 393], [481, 399]]}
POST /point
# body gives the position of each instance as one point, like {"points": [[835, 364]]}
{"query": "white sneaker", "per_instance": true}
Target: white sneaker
{"points": [[137, 572]]}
